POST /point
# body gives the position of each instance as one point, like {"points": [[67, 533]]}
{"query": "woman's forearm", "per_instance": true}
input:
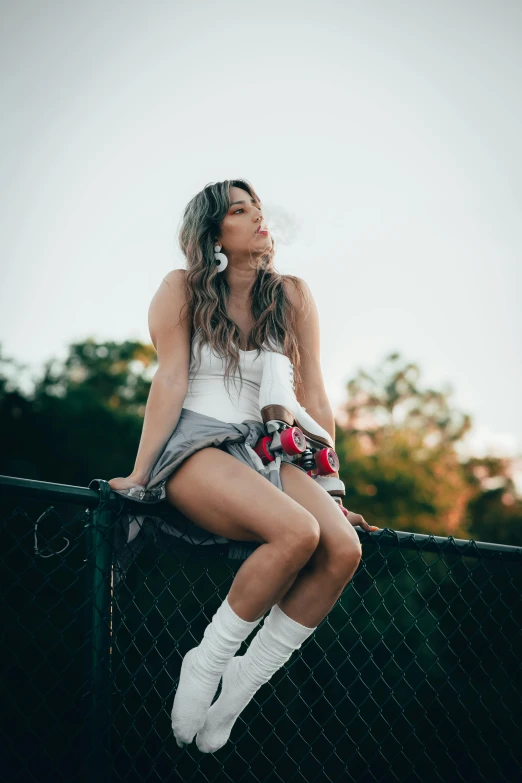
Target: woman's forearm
{"points": [[162, 413]]}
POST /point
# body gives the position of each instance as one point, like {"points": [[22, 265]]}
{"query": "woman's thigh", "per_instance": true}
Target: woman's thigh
{"points": [[221, 494], [337, 536]]}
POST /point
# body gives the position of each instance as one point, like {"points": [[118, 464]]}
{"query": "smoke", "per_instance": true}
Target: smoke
{"points": [[282, 224]]}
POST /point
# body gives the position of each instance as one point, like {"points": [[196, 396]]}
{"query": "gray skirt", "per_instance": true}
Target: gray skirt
{"points": [[160, 520]]}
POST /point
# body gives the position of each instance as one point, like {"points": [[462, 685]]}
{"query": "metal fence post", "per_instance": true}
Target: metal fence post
{"points": [[99, 762]]}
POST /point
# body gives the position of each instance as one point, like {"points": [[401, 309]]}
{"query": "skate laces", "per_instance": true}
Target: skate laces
{"points": [[291, 374]]}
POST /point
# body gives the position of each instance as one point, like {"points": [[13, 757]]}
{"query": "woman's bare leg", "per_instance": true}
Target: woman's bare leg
{"points": [[334, 561], [317, 587], [310, 550], [299, 611], [306, 602], [224, 496]]}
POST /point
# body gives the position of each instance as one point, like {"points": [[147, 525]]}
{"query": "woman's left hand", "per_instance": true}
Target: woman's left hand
{"points": [[357, 519]]}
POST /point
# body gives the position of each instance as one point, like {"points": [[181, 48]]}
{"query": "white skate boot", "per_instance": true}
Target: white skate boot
{"points": [[279, 405], [293, 430]]}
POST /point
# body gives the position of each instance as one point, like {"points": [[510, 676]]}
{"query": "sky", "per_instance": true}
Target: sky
{"points": [[383, 139]]}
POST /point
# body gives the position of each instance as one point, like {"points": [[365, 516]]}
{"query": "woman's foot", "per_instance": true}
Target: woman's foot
{"points": [[194, 694], [236, 692], [202, 667]]}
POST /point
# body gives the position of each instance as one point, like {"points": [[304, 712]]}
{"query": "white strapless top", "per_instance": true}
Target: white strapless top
{"points": [[208, 394]]}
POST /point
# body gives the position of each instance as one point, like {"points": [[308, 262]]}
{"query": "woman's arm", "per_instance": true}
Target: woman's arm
{"points": [[170, 335], [161, 416], [314, 397]]}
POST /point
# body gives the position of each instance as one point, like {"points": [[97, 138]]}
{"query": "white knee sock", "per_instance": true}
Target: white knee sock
{"points": [[270, 648], [201, 670]]}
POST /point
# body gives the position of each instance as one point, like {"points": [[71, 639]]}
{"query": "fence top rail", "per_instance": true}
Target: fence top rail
{"points": [[11, 486]]}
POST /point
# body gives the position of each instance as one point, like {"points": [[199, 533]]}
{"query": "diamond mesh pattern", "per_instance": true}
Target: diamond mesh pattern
{"points": [[414, 675]]}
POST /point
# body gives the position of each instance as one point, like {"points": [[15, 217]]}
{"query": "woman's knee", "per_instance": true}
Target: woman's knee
{"points": [[301, 534], [340, 560]]}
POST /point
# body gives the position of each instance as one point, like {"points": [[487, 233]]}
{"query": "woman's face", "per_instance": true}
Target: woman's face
{"points": [[239, 234]]}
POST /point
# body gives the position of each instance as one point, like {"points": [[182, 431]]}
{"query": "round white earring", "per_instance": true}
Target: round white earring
{"points": [[221, 259]]}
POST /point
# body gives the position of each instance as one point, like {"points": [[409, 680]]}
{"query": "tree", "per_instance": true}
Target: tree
{"points": [[84, 417], [397, 446]]}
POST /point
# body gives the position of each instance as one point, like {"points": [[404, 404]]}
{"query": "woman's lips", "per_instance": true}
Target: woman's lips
{"points": [[264, 232]]}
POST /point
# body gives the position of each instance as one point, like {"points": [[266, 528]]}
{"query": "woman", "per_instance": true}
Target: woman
{"points": [[234, 307]]}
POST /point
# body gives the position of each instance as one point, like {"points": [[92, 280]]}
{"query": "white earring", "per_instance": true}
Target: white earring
{"points": [[221, 259]]}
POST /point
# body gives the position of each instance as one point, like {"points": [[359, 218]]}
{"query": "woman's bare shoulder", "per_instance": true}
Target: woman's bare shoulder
{"points": [[296, 289], [167, 309], [175, 276]]}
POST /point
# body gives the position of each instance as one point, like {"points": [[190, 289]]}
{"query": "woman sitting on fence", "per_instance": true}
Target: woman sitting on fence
{"points": [[251, 324]]}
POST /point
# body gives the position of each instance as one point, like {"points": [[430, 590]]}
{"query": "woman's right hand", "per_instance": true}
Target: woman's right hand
{"points": [[126, 483]]}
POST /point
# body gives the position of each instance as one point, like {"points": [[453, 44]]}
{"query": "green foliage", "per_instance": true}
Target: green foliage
{"points": [[84, 417], [397, 447]]}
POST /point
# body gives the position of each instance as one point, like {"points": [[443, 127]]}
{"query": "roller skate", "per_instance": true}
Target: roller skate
{"points": [[290, 428]]}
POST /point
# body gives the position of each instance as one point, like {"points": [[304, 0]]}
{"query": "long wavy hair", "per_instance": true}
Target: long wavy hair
{"points": [[207, 290]]}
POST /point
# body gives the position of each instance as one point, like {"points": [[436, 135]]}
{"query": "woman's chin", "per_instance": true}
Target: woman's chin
{"points": [[261, 244]]}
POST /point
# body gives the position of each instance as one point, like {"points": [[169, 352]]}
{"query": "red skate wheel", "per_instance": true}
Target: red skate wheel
{"points": [[326, 461], [262, 449], [293, 441]]}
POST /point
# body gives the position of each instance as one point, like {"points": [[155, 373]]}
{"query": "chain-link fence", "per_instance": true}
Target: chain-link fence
{"points": [[414, 675]]}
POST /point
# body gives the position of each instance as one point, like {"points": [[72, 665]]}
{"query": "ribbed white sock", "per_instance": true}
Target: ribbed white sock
{"points": [[270, 648], [201, 670]]}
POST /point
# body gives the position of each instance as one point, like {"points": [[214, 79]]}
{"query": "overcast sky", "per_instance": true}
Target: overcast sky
{"points": [[382, 137]]}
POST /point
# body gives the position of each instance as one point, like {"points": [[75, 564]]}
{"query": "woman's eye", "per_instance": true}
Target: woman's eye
{"points": [[241, 210]]}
